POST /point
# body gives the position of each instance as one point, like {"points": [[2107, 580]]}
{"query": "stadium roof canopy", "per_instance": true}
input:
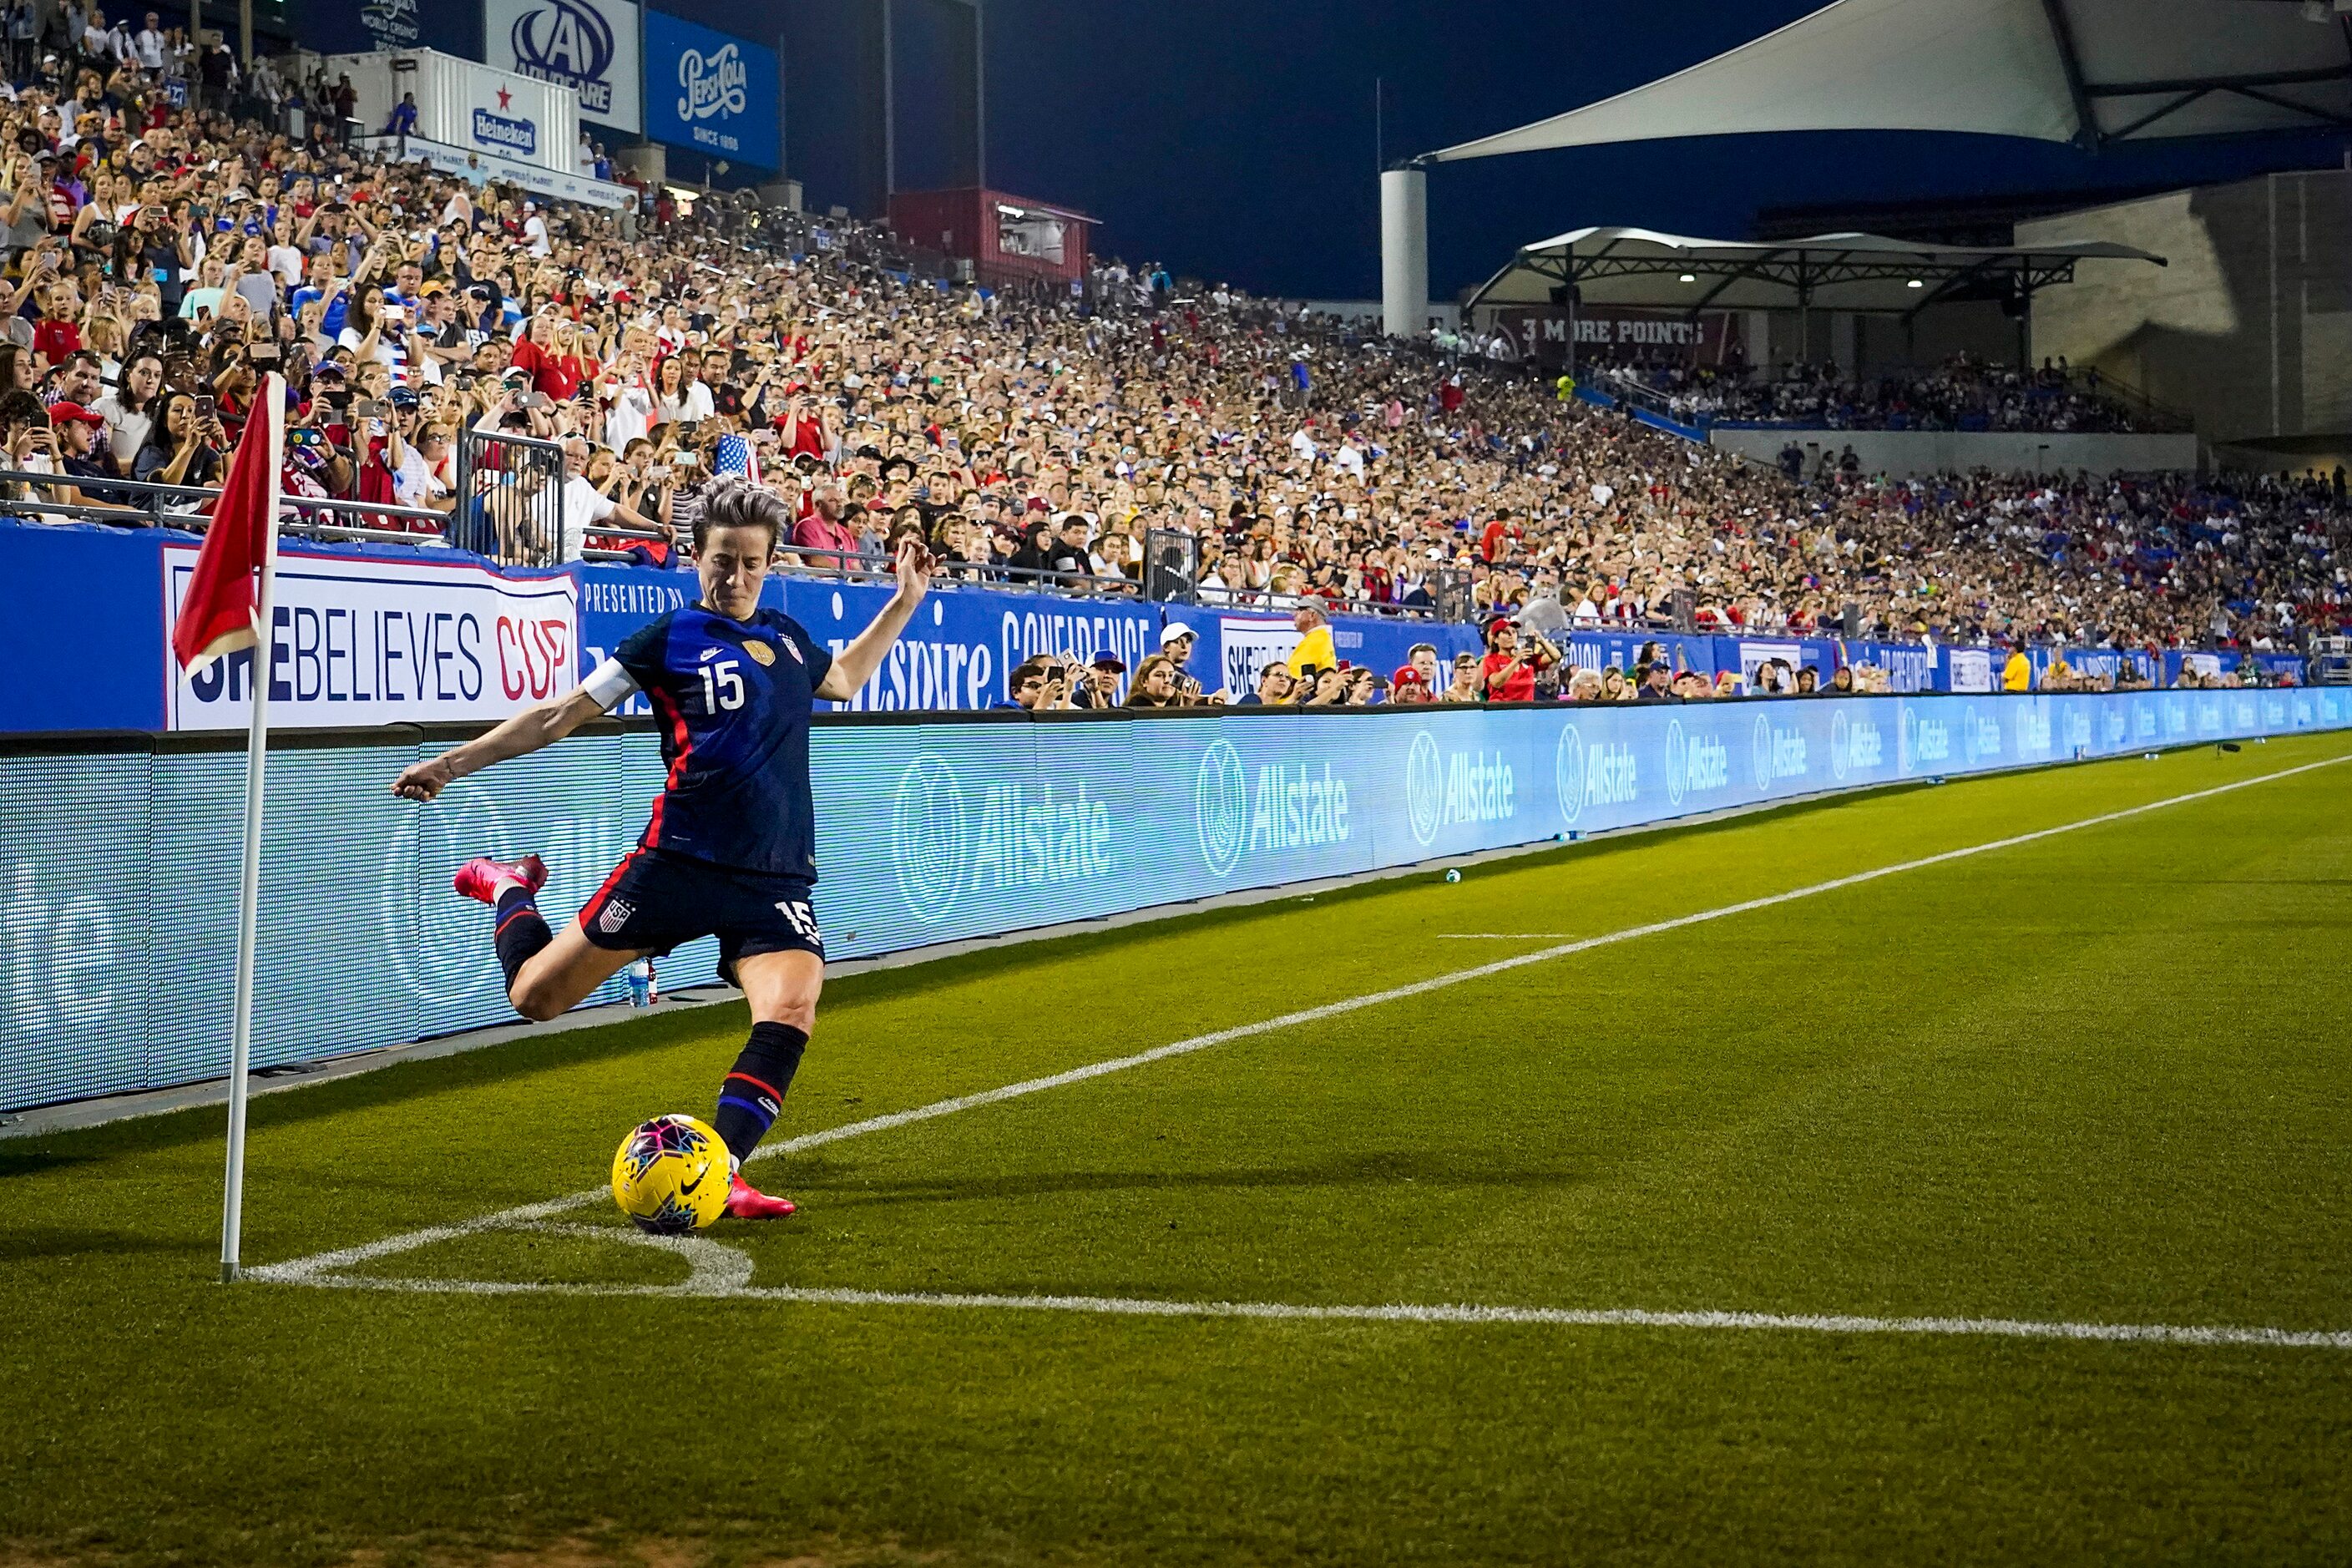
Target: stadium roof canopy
{"points": [[2087, 71], [1869, 272]]}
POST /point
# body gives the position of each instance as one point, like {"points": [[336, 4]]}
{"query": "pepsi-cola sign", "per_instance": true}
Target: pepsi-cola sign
{"points": [[711, 92], [587, 45]]}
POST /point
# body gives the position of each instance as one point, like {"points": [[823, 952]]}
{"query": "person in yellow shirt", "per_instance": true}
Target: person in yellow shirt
{"points": [[2017, 674], [1314, 647]]}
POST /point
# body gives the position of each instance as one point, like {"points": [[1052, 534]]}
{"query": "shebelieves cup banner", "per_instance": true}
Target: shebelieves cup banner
{"points": [[355, 641], [588, 45]]}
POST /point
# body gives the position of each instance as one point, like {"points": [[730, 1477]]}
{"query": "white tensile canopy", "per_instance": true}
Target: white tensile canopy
{"points": [[2087, 72], [1867, 272]]}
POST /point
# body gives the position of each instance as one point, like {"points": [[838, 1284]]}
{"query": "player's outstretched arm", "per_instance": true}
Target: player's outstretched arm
{"points": [[541, 725], [853, 666]]}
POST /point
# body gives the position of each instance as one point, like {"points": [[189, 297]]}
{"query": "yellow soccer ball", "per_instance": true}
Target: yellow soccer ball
{"points": [[670, 1175]]}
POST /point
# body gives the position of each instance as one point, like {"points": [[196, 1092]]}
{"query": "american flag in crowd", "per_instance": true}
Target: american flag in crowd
{"points": [[733, 455]]}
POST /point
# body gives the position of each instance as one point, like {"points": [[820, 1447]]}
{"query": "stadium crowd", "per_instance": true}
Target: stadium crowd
{"points": [[1520, 664], [1964, 392], [162, 259]]}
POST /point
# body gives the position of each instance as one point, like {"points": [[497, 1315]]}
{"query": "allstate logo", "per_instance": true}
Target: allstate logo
{"points": [[1763, 750], [1677, 762], [1220, 807], [1424, 786], [568, 43], [1841, 742], [929, 838], [714, 83], [1567, 773]]}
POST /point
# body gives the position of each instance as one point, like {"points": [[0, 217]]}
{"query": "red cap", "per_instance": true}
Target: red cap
{"points": [[67, 413], [1405, 675], [1497, 621]]}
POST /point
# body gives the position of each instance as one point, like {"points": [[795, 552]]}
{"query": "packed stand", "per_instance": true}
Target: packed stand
{"points": [[1210, 446], [1965, 393]]}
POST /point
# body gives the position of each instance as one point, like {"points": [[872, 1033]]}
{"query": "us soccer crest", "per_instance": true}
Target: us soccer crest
{"points": [[616, 915]]}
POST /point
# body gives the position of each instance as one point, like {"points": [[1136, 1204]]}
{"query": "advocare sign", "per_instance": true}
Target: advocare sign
{"points": [[588, 45]]}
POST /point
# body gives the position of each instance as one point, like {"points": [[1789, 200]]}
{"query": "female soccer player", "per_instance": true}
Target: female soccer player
{"points": [[729, 848]]}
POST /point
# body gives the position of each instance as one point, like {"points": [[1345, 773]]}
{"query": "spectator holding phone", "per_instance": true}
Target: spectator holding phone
{"points": [[1329, 688], [1096, 685], [1035, 689], [184, 445], [805, 429], [1507, 675], [1156, 684], [547, 352], [422, 459], [80, 439]]}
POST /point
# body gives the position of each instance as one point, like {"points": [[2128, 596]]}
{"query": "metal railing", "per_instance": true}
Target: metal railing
{"points": [[867, 567], [509, 497], [188, 508], [1172, 576], [333, 519]]}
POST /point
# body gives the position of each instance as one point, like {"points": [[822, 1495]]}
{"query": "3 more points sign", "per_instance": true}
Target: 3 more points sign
{"points": [[710, 92]]}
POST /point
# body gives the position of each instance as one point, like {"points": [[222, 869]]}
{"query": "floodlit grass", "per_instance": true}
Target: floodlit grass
{"points": [[2096, 1078]]}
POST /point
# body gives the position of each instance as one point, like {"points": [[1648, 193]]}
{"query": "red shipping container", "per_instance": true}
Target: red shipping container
{"points": [[1005, 237]]}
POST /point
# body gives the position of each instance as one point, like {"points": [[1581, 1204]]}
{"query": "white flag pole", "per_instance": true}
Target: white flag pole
{"points": [[270, 407]]}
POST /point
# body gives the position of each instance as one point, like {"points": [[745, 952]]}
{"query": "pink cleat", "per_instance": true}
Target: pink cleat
{"points": [[744, 1203], [481, 877]]}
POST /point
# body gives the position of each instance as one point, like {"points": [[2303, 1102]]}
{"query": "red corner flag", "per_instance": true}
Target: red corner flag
{"points": [[217, 616]]}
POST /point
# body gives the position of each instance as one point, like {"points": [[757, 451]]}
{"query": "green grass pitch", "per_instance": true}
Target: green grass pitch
{"points": [[2100, 1078]]}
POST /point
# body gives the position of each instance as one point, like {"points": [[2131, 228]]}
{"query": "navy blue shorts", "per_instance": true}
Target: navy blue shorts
{"points": [[652, 902]]}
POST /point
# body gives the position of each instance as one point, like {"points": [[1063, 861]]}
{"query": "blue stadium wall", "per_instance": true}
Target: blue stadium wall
{"points": [[85, 616], [929, 830]]}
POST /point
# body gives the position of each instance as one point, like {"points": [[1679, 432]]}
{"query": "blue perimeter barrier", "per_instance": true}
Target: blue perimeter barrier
{"points": [[927, 832], [387, 634]]}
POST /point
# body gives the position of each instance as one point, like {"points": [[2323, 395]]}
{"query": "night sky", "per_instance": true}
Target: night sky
{"points": [[1236, 141]]}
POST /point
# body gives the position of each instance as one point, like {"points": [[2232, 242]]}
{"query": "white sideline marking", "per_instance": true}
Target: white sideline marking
{"points": [[719, 1272], [306, 1270]]}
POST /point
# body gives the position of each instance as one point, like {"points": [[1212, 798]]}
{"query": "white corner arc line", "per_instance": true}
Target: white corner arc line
{"points": [[1394, 1312], [301, 1270]]}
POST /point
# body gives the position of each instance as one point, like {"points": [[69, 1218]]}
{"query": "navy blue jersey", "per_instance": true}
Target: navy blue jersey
{"points": [[734, 700]]}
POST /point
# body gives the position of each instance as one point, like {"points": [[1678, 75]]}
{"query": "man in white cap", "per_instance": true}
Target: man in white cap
{"points": [[1176, 641]]}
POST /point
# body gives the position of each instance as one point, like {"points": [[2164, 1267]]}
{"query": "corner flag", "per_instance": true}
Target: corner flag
{"points": [[217, 618], [227, 608]]}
